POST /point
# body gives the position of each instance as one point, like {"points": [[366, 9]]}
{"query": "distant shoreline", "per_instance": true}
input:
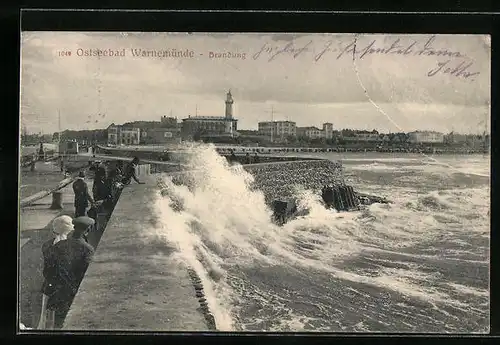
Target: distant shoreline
{"points": [[224, 148], [344, 149], [355, 150]]}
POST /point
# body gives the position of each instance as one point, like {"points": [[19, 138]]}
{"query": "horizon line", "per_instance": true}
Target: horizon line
{"points": [[256, 130]]}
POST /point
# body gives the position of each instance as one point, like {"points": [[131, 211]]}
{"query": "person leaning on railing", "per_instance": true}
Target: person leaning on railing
{"points": [[114, 181], [130, 172]]}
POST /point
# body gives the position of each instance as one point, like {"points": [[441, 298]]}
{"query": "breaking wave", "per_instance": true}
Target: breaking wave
{"points": [[330, 271]]}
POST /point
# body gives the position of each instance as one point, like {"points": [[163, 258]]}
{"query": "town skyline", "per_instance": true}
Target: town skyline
{"points": [[105, 90], [318, 126]]}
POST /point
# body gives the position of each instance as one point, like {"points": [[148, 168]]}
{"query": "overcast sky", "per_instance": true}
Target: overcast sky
{"points": [[389, 92]]}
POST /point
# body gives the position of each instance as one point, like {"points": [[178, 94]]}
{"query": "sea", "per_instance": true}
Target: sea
{"points": [[419, 264]]}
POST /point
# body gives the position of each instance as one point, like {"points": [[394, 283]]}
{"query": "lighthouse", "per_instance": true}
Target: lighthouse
{"points": [[229, 105], [229, 113]]}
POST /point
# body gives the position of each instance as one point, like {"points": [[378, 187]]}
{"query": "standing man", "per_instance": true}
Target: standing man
{"points": [[41, 152], [101, 193], [69, 261], [82, 195], [99, 188], [130, 172], [52, 306], [84, 233]]}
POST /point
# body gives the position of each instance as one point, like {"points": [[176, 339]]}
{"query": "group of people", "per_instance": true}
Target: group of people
{"points": [[66, 258], [106, 184], [68, 253], [247, 159]]}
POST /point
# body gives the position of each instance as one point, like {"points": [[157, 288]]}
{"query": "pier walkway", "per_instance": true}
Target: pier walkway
{"points": [[133, 282]]}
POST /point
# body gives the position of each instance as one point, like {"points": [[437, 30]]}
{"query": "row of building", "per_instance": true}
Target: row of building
{"points": [[124, 135], [170, 130], [281, 130], [450, 138]]}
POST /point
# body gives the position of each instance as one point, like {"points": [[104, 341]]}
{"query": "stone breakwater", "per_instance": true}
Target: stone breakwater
{"points": [[195, 279], [278, 180], [200, 294]]}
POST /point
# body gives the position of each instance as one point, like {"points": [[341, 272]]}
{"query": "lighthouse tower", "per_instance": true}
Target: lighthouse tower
{"points": [[229, 105], [229, 113]]}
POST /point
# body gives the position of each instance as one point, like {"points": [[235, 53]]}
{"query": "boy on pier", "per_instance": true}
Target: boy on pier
{"points": [[82, 195]]}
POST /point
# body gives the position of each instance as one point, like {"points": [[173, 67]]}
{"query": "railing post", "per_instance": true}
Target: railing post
{"points": [[56, 201]]}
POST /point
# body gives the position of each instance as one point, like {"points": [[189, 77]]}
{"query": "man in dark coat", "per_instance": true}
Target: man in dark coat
{"points": [[130, 172], [66, 267], [114, 180], [100, 190], [82, 195], [52, 307], [83, 230]]}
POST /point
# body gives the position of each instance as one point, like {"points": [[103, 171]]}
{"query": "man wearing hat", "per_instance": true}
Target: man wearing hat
{"points": [[83, 226], [53, 292], [71, 257], [82, 195]]}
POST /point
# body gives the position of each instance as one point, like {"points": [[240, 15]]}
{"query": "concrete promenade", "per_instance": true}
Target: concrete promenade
{"points": [[133, 283]]}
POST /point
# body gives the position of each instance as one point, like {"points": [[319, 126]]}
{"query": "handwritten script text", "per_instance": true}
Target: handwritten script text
{"points": [[354, 50]]}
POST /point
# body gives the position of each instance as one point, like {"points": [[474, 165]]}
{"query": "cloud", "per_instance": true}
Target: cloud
{"points": [[128, 88]]}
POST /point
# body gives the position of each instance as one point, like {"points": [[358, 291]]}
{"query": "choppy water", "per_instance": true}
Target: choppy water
{"points": [[420, 264]]}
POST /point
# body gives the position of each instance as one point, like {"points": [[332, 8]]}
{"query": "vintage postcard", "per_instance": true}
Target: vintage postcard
{"points": [[254, 182]]}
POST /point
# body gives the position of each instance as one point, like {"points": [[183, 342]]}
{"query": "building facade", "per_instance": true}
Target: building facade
{"points": [[455, 138], [118, 135], [152, 136], [328, 130], [471, 140], [68, 147], [277, 129], [113, 134], [211, 125], [310, 132], [425, 137], [130, 136]]}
